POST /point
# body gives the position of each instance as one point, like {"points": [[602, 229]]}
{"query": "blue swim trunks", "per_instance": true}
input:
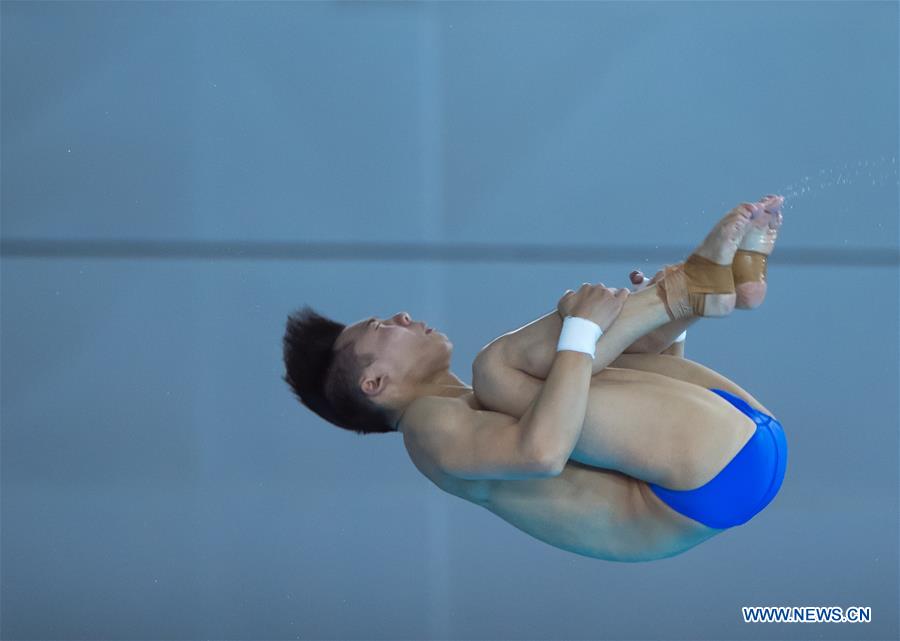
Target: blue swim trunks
{"points": [[746, 485]]}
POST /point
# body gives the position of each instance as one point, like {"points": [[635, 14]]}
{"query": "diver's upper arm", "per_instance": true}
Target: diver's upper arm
{"points": [[480, 444]]}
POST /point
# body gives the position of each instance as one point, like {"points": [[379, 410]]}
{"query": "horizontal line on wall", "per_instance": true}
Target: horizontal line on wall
{"points": [[414, 251]]}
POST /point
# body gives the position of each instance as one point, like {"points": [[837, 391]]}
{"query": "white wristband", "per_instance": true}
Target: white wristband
{"points": [[681, 336], [579, 335]]}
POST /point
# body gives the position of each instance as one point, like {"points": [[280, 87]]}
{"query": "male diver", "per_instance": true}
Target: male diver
{"points": [[585, 428]]}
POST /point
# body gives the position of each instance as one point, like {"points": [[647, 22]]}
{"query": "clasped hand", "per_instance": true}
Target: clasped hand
{"points": [[596, 303]]}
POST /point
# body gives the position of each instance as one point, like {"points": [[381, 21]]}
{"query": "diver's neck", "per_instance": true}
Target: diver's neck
{"points": [[447, 385]]}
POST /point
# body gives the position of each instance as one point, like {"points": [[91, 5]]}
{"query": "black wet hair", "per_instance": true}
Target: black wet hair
{"points": [[325, 380]]}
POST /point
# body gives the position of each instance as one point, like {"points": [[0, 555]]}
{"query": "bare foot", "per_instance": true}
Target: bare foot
{"points": [[759, 238], [725, 237]]}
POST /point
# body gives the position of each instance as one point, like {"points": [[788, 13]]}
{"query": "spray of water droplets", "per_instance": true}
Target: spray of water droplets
{"points": [[870, 173]]}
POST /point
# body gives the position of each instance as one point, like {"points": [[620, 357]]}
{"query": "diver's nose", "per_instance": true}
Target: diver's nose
{"points": [[404, 317]]}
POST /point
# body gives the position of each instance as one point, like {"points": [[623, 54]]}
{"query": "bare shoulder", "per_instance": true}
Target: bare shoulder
{"points": [[429, 420]]}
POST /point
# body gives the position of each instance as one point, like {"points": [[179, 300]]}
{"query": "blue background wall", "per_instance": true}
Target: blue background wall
{"points": [[178, 177]]}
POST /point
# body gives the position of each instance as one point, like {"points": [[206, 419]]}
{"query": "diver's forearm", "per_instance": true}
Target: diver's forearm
{"points": [[552, 425]]}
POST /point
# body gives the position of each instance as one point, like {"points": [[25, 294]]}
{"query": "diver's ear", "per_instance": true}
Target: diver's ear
{"points": [[373, 385]]}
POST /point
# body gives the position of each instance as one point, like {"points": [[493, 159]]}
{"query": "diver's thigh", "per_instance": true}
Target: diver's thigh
{"points": [[658, 429], [688, 371]]}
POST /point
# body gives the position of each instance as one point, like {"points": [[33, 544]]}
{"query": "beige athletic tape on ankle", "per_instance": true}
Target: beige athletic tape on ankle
{"points": [[683, 288]]}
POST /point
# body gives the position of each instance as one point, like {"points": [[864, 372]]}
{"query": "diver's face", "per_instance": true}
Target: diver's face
{"points": [[404, 349]]}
